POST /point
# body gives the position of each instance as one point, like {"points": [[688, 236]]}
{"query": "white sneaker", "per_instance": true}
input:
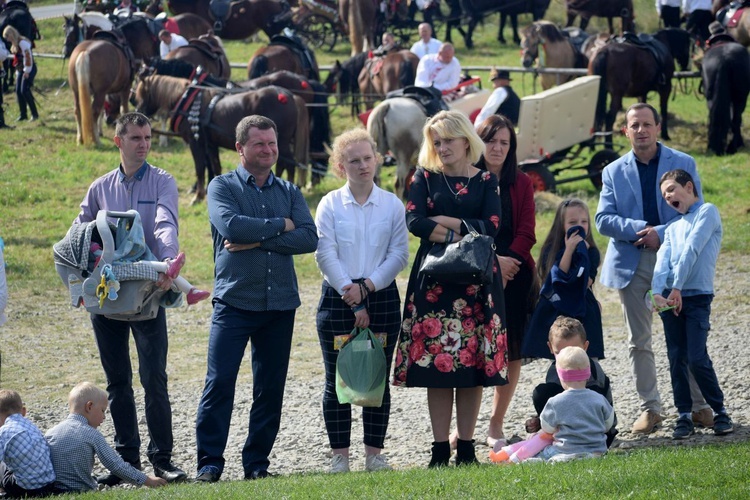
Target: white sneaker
{"points": [[339, 463], [375, 463]]}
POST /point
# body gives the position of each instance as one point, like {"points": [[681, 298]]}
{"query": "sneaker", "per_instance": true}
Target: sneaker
{"points": [[339, 463], [647, 422], [374, 463], [703, 418], [173, 270], [684, 428], [723, 424], [194, 296], [208, 474]]}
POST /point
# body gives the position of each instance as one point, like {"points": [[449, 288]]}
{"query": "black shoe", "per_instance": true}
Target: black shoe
{"points": [[169, 472], [465, 452], [441, 454], [5, 125], [109, 480], [683, 429], [21, 118], [34, 118], [208, 474], [258, 474], [723, 424]]}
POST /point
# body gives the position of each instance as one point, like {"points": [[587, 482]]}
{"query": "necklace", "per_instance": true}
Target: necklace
{"points": [[460, 191]]}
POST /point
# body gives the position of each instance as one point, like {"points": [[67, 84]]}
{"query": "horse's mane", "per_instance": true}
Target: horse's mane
{"points": [[96, 19], [165, 90], [550, 31]]}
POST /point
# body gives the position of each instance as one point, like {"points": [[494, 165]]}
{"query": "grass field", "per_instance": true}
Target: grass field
{"points": [[44, 175]]}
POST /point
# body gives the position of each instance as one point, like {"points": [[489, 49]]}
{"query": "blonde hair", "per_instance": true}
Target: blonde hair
{"points": [[345, 140], [83, 393], [573, 358], [14, 37], [448, 125]]}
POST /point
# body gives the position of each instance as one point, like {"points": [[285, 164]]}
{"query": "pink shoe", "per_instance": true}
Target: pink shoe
{"points": [[195, 296], [175, 265]]}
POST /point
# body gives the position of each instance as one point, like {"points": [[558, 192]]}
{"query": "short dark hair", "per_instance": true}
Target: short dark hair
{"points": [[487, 130], [10, 402], [253, 121], [566, 328], [680, 177], [644, 105], [164, 33], [137, 119]]}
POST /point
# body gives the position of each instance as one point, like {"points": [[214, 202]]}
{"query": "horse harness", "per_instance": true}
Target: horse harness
{"points": [[116, 38], [296, 45], [189, 106], [730, 15], [655, 47], [212, 52]]}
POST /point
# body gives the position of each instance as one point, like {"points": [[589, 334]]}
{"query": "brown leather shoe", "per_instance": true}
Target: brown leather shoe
{"points": [[703, 418], [647, 422]]}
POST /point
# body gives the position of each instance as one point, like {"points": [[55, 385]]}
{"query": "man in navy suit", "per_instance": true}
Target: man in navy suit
{"points": [[633, 214]]}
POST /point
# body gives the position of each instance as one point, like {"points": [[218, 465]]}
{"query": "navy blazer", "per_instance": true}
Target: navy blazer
{"points": [[620, 211]]}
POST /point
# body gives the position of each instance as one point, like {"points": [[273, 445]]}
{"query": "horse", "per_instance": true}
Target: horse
{"points": [[16, 14], [725, 71], [97, 68], [244, 17], [381, 75], [342, 80], [601, 8], [283, 54], [141, 40], [629, 70], [159, 93], [740, 31], [679, 42], [359, 17], [206, 51], [396, 126], [558, 52], [476, 9]]}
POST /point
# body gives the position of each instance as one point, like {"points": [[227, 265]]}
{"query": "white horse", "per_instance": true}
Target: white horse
{"points": [[396, 126]]}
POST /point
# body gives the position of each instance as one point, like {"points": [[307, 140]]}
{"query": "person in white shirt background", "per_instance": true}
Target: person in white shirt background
{"points": [[699, 16], [169, 42], [426, 44], [502, 101], [441, 70]]}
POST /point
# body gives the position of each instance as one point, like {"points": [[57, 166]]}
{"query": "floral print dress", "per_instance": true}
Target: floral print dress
{"points": [[452, 336]]}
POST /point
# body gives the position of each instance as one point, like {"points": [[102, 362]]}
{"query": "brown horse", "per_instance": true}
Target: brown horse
{"points": [[601, 8], [358, 17], [558, 52], [206, 51], [740, 32], [98, 68], [159, 93], [283, 56], [381, 75], [244, 19], [141, 40], [628, 70]]}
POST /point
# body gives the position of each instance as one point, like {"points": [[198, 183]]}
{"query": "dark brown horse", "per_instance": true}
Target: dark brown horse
{"points": [[206, 51], [140, 39], [158, 93], [244, 18], [381, 75], [278, 56], [342, 80], [629, 70], [475, 10], [96, 68], [610, 9]]}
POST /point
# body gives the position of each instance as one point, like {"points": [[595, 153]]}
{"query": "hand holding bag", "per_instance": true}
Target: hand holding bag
{"points": [[466, 262], [361, 370]]}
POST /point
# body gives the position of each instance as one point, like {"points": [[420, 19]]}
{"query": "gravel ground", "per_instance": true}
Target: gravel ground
{"points": [[302, 444]]}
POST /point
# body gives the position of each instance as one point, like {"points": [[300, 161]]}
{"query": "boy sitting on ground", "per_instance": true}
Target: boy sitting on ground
{"points": [[25, 466], [74, 442], [566, 332]]}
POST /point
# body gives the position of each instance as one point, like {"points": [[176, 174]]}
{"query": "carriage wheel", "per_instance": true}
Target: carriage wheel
{"points": [[600, 160], [318, 31], [541, 178]]}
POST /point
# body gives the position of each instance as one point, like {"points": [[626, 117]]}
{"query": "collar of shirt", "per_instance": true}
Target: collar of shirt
{"points": [[348, 197], [249, 178], [652, 161], [138, 175]]}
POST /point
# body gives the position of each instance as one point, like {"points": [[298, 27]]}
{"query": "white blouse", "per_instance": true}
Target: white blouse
{"points": [[361, 241]]}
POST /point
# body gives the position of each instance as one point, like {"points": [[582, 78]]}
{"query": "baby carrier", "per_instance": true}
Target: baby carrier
{"points": [[114, 284]]}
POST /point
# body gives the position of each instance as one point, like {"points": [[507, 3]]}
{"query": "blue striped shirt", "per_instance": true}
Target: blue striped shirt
{"points": [[25, 452], [260, 279], [73, 444]]}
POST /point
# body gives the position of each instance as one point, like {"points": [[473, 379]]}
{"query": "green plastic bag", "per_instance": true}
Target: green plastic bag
{"points": [[361, 370]]}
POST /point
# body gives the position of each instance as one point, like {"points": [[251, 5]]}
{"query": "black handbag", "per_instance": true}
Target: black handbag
{"points": [[466, 262]]}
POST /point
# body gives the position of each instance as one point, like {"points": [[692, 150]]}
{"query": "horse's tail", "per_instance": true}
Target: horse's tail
{"points": [[358, 28], [302, 140], [258, 67], [376, 126], [598, 66], [83, 68]]}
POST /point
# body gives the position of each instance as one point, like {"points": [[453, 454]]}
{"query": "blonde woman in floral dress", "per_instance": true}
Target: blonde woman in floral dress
{"points": [[453, 338]]}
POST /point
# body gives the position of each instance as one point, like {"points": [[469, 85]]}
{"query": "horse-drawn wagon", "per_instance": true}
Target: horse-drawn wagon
{"points": [[557, 126]]}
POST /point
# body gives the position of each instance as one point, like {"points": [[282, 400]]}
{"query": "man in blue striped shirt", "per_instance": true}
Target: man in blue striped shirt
{"points": [[258, 223]]}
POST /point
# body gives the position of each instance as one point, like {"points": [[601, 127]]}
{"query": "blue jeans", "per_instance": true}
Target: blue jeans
{"points": [[686, 337], [270, 337], [113, 339]]}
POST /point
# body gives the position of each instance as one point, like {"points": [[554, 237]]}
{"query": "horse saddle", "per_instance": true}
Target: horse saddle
{"points": [[730, 15], [645, 41], [16, 4], [219, 9], [374, 65], [295, 44], [116, 38], [281, 20], [211, 51], [430, 98], [576, 36]]}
